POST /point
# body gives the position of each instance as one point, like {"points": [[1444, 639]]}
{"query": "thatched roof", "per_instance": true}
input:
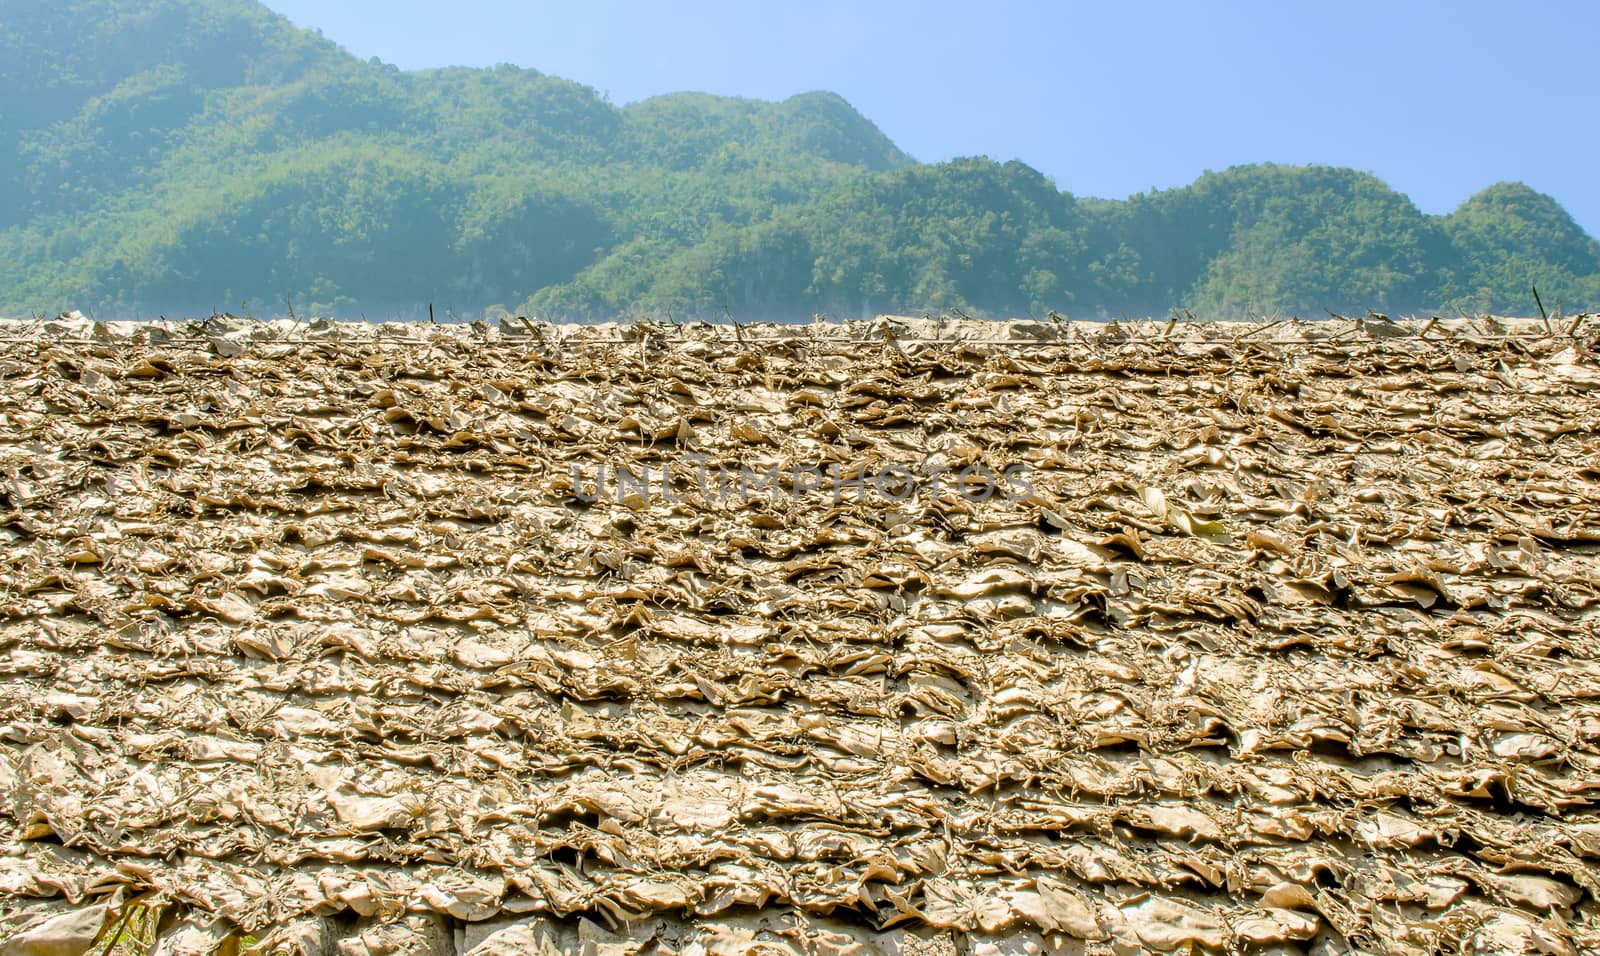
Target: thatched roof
{"points": [[1271, 635]]}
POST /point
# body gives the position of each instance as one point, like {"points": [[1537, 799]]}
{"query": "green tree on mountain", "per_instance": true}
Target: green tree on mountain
{"points": [[171, 155], [1509, 239]]}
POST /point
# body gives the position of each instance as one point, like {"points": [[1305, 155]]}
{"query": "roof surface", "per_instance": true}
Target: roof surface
{"points": [[1180, 636]]}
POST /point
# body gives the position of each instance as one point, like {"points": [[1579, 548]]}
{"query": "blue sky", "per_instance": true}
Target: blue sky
{"points": [[1438, 99]]}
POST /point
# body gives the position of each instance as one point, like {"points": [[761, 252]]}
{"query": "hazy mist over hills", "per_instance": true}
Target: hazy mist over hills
{"points": [[189, 156]]}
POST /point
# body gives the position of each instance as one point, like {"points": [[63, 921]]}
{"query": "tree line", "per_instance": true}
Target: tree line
{"points": [[205, 155]]}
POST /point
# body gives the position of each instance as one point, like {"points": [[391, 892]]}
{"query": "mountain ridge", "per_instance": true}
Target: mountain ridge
{"points": [[205, 154]]}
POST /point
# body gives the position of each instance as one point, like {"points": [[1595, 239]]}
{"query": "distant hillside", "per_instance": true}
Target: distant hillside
{"points": [[192, 155]]}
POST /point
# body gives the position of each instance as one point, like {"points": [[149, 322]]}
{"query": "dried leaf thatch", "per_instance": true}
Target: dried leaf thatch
{"points": [[319, 634]]}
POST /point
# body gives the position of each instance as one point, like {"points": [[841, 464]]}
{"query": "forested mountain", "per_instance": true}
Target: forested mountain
{"points": [[197, 155]]}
